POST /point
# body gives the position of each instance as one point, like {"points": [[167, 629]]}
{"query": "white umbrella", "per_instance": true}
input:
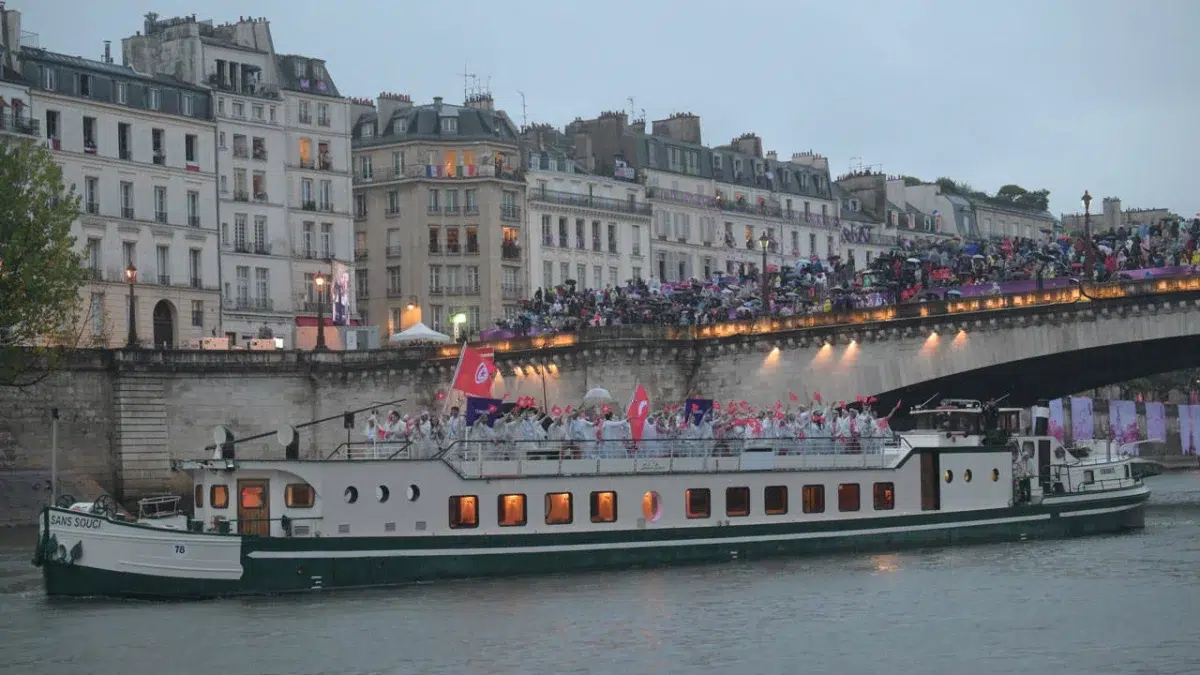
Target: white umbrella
{"points": [[419, 333], [914, 261], [597, 396]]}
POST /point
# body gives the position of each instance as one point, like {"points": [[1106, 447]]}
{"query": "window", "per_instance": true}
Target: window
{"points": [[1089, 476], [198, 499], [848, 497], [154, 97], [49, 79], [189, 149], [652, 506], [188, 106], [698, 503], [97, 314], [967, 475], [885, 496], [813, 498], [464, 512], [193, 208], [775, 500], [737, 501], [995, 475], [558, 508], [218, 497], [511, 510], [252, 497], [299, 496], [449, 125], [197, 313], [603, 507], [160, 203]]}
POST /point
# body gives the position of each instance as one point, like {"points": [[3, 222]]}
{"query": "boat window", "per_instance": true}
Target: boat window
{"points": [[382, 493], [351, 494], [967, 475], [199, 498], [848, 497], [218, 496], [949, 475], [963, 422], [252, 497], [464, 511], [299, 496], [995, 475], [1089, 477], [558, 508], [885, 496], [414, 493], [1127, 471], [652, 506], [604, 507], [737, 501], [699, 502], [511, 510], [813, 497], [775, 500]]}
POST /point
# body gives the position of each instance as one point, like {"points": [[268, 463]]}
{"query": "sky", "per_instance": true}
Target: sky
{"points": [[1066, 95]]}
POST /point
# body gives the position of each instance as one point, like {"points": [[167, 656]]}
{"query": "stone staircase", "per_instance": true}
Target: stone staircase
{"points": [[143, 457]]}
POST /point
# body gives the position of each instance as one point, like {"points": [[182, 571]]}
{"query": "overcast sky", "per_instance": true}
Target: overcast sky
{"points": [[1066, 95]]}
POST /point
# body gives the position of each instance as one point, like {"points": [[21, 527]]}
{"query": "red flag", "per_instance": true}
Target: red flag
{"points": [[639, 410], [817, 396], [556, 411], [793, 396], [474, 374]]}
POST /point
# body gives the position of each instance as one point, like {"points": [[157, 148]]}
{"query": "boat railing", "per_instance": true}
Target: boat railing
{"points": [[1073, 477], [489, 458], [398, 449], [161, 506]]}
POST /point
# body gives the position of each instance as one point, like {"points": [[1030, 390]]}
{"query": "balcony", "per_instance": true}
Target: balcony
{"points": [[472, 248], [258, 90], [392, 213], [160, 158], [435, 248], [251, 304], [306, 164], [308, 205], [197, 282], [590, 202], [241, 196], [395, 293], [510, 251], [453, 249], [393, 251], [451, 210], [193, 221], [510, 212], [161, 217], [326, 163], [323, 121], [92, 208], [95, 274], [305, 119], [439, 172], [360, 254], [164, 280], [89, 147], [241, 152], [471, 210], [326, 207], [19, 125], [511, 292], [465, 289], [125, 154], [260, 154]]}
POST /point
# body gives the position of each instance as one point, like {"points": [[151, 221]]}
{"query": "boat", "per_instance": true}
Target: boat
{"points": [[378, 514]]}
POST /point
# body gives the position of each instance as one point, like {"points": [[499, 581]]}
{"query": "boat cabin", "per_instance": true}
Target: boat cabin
{"points": [[951, 419]]}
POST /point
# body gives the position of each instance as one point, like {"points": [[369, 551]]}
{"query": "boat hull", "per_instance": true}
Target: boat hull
{"points": [[216, 565]]}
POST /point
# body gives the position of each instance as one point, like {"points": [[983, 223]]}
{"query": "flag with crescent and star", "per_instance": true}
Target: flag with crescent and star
{"points": [[639, 410], [474, 373]]}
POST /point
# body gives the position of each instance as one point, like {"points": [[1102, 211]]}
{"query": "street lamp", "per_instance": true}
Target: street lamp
{"points": [[1089, 257], [764, 242], [319, 282], [131, 277]]}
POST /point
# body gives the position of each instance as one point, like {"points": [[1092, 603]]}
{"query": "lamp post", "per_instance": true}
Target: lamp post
{"points": [[131, 277], [319, 282], [1089, 259], [764, 242]]}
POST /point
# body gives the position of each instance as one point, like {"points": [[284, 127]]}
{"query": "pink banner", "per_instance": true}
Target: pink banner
{"points": [[1056, 419], [1195, 429], [1185, 429], [1081, 419], [1156, 421], [1122, 421]]}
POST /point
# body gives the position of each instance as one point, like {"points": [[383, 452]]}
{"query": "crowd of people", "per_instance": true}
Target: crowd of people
{"points": [[917, 271], [602, 432]]}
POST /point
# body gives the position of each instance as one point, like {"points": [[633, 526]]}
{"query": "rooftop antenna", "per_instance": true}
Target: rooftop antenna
{"points": [[468, 80], [632, 108], [524, 116]]}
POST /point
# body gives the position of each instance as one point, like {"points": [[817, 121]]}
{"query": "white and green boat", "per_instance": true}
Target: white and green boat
{"points": [[372, 516]]}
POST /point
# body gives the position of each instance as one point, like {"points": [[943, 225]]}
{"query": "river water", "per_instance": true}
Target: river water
{"points": [[1118, 604]]}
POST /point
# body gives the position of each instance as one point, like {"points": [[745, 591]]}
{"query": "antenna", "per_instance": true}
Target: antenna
{"points": [[468, 80], [632, 108], [524, 116]]}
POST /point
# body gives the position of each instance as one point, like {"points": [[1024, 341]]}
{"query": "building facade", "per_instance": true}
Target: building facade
{"points": [[439, 209], [17, 121], [139, 152], [1112, 217], [282, 137]]}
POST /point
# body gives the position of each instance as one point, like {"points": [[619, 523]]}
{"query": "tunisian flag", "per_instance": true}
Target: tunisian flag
{"points": [[639, 410], [474, 373]]}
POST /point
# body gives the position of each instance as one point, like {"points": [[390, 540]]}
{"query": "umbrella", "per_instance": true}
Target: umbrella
{"points": [[914, 261], [597, 396]]}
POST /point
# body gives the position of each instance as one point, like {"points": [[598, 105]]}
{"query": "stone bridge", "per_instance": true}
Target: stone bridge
{"points": [[125, 414]]}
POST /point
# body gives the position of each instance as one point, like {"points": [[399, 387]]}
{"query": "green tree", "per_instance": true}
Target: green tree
{"points": [[1011, 193], [40, 271]]}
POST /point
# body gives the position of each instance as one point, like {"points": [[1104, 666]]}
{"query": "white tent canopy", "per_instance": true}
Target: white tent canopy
{"points": [[418, 332]]}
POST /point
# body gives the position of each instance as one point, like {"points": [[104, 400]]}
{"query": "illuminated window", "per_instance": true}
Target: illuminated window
{"points": [[299, 496], [698, 502], [252, 497], [652, 506], [775, 501], [813, 497], [885, 496], [218, 496], [558, 508], [737, 501], [949, 475], [604, 507], [511, 510], [995, 475], [967, 475], [848, 497], [464, 511], [199, 498]]}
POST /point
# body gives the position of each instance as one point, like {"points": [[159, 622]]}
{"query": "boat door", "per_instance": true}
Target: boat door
{"points": [[931, 485], [254, 507]]}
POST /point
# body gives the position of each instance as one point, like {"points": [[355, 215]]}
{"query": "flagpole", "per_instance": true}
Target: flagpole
{"points": [[453, 376]]}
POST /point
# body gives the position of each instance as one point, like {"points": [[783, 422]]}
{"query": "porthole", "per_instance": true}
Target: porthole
{"points": [[351, 494], [382, 493], [652, 506], [949, 475], [414, 493], [967, 475], [995, 475]]}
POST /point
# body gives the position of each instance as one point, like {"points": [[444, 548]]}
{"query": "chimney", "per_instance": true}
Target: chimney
{"points": [[389, 103], [437, 100], [108, 51]]}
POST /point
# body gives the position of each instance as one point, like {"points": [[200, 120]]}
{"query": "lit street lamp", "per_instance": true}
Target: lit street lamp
{"points": [[319, 282], [1089, 260], [131, 277], [764, 243]]}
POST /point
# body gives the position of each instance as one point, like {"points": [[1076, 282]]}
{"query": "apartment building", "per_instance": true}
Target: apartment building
{"points": [[283, 151], [589, 228], [439, 207], [17, 121], [139, 151]]}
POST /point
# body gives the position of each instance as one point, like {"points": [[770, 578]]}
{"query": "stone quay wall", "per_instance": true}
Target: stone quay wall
{"points": [[124, 415]]}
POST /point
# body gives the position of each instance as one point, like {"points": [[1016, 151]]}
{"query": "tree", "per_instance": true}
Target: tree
{"points": [[40, 271]]}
